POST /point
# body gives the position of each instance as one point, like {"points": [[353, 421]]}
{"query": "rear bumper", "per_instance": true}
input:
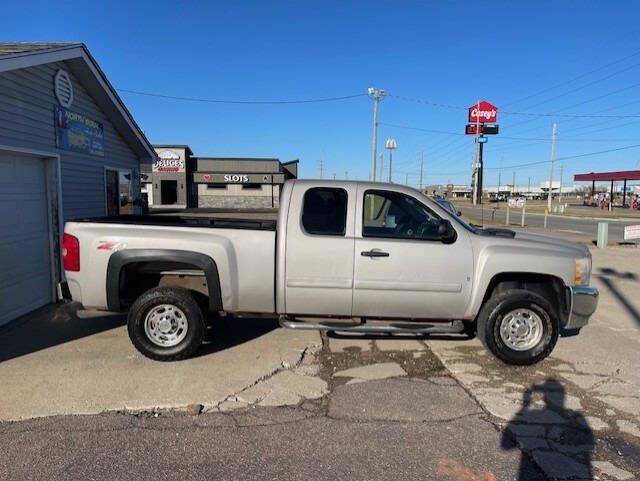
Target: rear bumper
{"points": [[584, 301]]}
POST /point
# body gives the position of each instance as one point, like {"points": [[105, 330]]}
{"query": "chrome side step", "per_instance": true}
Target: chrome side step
{"points": [[454, 327]]}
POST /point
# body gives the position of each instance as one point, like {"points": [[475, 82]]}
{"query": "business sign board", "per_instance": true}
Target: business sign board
{"points": [[631, 232], [481, 129], [231, 178], [483, 112], [169, 162], [78, 133]]}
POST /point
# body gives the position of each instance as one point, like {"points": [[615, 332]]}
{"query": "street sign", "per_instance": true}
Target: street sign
{"points": [[516, 203], [483, 112], [481, 129], [482, 140], [631, 232]]}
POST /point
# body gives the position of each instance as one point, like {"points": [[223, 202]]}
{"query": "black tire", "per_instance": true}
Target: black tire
{"points": [[175, 296], [492, 314]]}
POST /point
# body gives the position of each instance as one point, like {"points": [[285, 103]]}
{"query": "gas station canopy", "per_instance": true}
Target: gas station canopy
{"points": [[594, 177], [608, 176]]}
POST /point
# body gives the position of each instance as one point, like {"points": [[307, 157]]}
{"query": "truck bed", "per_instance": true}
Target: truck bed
{"points": [[206, 220]]}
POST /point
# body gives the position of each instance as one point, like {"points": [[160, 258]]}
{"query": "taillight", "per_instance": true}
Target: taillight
{"points": [[70, 253]]}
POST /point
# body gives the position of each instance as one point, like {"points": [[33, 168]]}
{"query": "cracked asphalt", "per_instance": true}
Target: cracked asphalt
{"points": [[375, 422]]}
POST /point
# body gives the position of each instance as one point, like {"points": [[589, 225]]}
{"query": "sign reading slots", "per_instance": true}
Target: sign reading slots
{"points": [[483, 112]]}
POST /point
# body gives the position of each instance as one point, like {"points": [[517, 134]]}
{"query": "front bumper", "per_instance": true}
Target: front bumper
{"points": [[583, 302]]}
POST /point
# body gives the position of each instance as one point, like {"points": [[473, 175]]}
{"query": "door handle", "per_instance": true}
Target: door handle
{"points": [[374, 253]]}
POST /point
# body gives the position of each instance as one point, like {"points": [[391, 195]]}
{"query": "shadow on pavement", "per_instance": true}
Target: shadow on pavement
{"points": [[606, 275], [65, 322], [559, 439], [227, 332], [52, 325]]}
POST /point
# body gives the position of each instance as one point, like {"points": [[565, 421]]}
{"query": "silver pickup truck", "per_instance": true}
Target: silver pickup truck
{"points": [[355, 256]]}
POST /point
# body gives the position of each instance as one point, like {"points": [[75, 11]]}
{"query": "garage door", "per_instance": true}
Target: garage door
{"points": [[25, 272]]}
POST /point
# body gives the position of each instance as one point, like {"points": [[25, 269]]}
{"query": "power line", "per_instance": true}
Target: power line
{"points": [[243, 102], [586, 74], [570, 139], [531, 114], [541, 162]]}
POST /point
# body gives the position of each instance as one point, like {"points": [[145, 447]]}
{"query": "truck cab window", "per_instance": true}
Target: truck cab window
{"points": [[399, 216], [324, 211]]}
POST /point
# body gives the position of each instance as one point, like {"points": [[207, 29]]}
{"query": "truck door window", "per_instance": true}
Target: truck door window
{"points": [[324, 211], [399, 216]]}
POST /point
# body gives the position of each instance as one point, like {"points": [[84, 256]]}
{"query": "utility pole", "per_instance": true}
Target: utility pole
{"points": [[553, 159], [376, 95], [513, 189], [381, 156], [477, 169], [321, 169], [406, 179], [529, 187], [346, 175], [334, 176], [499, 180], [421, 167], [560, 192]]}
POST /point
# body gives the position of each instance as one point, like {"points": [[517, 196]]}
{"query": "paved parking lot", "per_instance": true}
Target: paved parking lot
{"points": [[64, 361], [262, 402]]}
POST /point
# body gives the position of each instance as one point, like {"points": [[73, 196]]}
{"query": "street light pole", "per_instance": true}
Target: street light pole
{"points": [[390, 145], [376, 95], [421, 167], [553, 159]]}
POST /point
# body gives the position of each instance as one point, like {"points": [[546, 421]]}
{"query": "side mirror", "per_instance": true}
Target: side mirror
{"points": [[446, 232]]}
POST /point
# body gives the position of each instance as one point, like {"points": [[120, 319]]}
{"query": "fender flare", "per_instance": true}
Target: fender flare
{"points": [[120, 259]]}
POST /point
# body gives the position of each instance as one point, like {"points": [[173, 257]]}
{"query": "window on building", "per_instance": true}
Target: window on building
{"points": [[118, 191], [111, 192], [217, 186], [251, 186], [324, 211], [398, 216]]}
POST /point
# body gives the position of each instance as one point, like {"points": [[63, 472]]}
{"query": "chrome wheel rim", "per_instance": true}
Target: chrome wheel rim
{"points": [[166, 325], [521, 329]]}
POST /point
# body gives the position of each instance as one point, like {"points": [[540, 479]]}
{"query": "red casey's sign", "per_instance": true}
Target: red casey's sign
{"points": [[482, 112]]}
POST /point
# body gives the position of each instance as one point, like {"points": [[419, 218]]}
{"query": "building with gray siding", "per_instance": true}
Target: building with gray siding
{"points": [[68, 148], [178, 178]]}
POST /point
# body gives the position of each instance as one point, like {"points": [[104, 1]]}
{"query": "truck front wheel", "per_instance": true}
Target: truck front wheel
{"points": [[518, 326], [166, 324]]}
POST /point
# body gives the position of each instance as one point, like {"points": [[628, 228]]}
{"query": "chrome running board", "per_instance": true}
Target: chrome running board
{"points": [[454, 327]]}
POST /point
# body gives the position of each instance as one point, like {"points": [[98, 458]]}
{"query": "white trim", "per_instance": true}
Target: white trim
{"points": [[52, 172]]}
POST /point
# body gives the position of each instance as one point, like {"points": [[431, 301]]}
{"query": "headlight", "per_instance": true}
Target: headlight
{"points": [[583, 271]]}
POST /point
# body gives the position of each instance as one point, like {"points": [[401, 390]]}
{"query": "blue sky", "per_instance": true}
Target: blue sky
{"points": [[449, 53]]}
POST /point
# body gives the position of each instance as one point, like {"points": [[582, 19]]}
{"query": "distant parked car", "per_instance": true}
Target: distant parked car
{"points": [[447, 205]]}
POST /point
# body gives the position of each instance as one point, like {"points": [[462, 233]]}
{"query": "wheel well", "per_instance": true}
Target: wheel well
{"points": [[550, 287], [131, 272], [135, 278]]}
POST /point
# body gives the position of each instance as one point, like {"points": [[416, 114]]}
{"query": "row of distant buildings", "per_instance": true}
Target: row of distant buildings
{"points": [[465, 191], [179, 179]]}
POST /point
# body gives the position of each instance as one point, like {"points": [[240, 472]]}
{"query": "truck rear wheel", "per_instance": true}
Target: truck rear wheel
{"points": [[166, 324], [517, 326]]}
